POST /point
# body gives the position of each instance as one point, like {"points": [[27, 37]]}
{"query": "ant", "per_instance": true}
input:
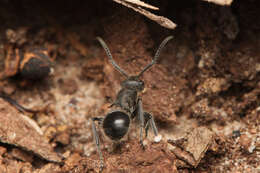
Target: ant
{"points": [[128, 105]]}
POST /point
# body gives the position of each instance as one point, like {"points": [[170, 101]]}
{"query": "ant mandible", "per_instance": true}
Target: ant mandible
{"points": [[115, 124]]}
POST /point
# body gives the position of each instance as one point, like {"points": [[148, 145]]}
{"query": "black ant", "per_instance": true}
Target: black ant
{"points": [[128, 105]]}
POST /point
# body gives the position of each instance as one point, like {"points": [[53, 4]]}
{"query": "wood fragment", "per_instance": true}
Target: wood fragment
{"points": [[18, 131], [163, 21], [12, 61], [220, 2], [193, 147], [198, 143], [184, 156], [143, 4]]}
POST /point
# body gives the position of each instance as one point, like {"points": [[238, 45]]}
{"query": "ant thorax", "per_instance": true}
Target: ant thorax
{"points": [[126, 99], [128, 95]]}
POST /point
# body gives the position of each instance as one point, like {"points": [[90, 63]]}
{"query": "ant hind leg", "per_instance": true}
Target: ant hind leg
{"points": [[150, 123], [97, 140], [140, 114]]}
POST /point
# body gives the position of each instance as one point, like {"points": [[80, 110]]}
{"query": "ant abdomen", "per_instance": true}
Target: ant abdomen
{"points": [[116, 125]]}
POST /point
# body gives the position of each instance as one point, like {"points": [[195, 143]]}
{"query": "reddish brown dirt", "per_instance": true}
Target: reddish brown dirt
{"points": [[207, 76]]}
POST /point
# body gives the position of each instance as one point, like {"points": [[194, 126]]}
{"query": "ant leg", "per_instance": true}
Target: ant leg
{"points": [[147, 124], [141, 119], [150, 123], [97, 140], [15, 104]]}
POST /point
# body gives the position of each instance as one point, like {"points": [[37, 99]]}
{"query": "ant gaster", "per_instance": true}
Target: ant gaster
{"points": [[115, 124]]}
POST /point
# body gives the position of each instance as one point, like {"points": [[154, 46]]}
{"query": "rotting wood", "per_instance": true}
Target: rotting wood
{"points": [[16, 130]]}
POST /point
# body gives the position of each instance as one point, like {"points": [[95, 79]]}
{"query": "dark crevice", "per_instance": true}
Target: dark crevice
{"points": [[236, 90]]}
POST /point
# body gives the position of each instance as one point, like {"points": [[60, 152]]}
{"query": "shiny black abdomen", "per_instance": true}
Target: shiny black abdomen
{"points": [[116, 125]]}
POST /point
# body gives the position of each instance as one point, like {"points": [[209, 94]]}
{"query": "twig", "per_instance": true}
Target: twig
{"points": [[137, 5]]}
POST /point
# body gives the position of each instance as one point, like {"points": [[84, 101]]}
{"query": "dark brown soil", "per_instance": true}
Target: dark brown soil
{"points": [[204, 93]]}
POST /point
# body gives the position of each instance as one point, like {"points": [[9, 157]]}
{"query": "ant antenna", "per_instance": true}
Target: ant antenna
{"points": [[103, 44], [157, 54]]}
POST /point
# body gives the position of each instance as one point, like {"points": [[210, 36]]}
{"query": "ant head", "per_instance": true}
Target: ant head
{"points": [[133, 83]]}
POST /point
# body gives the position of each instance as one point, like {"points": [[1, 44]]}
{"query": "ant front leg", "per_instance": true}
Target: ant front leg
{"points": [[97, 140], [140, 113]]}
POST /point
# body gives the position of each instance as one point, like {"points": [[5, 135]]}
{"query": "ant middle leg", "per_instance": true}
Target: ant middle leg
{"points": [[140, 114], [146, 121]]}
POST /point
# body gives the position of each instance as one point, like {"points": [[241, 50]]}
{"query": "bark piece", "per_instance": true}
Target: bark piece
{"points": [[16, 130], [137, 6], [143, 4], [192, 148], [220, 2], [198, 143]]}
